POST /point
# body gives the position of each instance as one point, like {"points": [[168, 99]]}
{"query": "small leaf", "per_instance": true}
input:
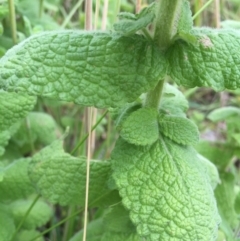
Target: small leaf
{"points": [[166, 191], [223, 113], [179, 129], [14, 107], [211, 171], [39, 215], [141, 127], [173, 101], [89, 68], [129, 24], [185, 24], [16, 179], [61, 177], [213, 61]]}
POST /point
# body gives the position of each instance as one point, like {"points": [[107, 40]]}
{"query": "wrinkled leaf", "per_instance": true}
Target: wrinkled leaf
{"points": [[179, 129], [16, 183], [213, 61], [89, 68], [14, 107], [166, 191], [61, 178], [141, 127]]}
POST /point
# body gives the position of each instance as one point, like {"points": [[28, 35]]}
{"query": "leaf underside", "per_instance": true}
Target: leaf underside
{"points": [[166, 191], [89, 68]]}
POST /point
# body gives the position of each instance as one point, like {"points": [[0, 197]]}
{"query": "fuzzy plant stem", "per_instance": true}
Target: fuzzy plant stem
{"points": [[167, 17]]}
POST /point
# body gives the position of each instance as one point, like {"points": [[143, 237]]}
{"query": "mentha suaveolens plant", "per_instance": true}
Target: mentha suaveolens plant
{"points": [[165, 186]]}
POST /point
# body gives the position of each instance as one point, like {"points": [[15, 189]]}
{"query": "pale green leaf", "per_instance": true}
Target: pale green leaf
{"points": [[89, 68], [95, 230], [173, 101], [43, 128], [230, 24], [117, 220], [212, 61], [179, 129], [130, 23], [225, 199], [218, 153], [16, 183], [26, 235], [141, 127], [39, 215], [109, 236], [166, 191], [211, 171], [14, 107], [61, 177], [223, 113], [7, 227], [237, 203], [6, 135]]}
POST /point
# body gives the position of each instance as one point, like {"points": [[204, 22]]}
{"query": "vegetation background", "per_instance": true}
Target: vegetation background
{"points": [[50, 119]]}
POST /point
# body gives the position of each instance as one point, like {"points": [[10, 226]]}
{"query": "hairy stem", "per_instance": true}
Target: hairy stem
{"points": [[154, 96], [167, 17]]}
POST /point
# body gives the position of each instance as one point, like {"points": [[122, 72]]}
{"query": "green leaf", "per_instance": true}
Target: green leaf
{"points": [[179, 129], [218, 153], [26, 235], [117, 220], [15, 178], [43, 128], [213, 61], [237, 203], [211, 171], [225, 196], [109, 236], [6, 223], [14, 107], [39, 215], [61, 177], [89, 68], [6, 135], [141, 127], [166, 191], [130, 23], [185, 23], [95, 230], [223, 113], [173, 101]]}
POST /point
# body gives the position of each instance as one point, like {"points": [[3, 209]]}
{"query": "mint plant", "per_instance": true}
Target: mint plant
{"points": [[156, 183]]}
